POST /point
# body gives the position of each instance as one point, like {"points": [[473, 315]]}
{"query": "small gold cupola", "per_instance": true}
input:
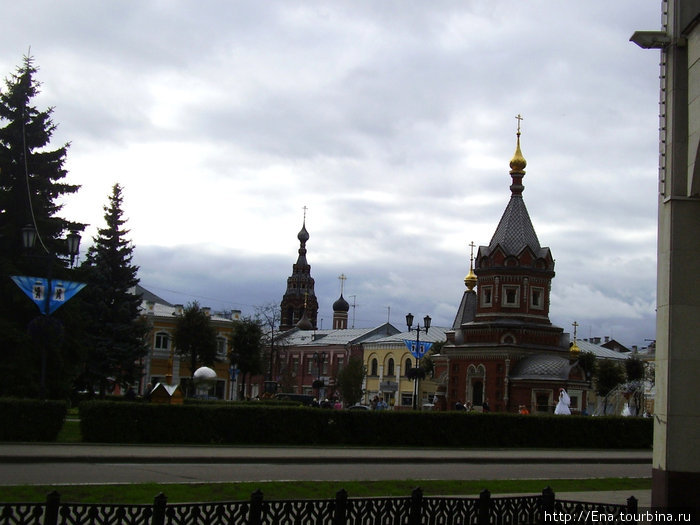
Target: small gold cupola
{"points": [[518, 162], [574, 350], [470, 280]]}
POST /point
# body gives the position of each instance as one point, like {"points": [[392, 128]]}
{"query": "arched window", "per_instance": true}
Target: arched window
{"points": [[373, 368], [408, 365], [390, 367]]}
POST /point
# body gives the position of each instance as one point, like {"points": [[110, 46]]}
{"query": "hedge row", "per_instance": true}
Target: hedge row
{"points": [[110, 422], [30, 419]]}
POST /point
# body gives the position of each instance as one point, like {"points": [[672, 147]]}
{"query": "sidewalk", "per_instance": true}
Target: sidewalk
{"points": [[106, 453], [28, 453]]}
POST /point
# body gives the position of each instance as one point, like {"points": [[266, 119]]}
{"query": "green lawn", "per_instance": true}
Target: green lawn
{"points": [[276, 490], [70, 433]]}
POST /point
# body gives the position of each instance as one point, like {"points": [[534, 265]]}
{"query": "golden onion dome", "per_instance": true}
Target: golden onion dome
{"points": [[470, 280], [574, 350], [518, 162]]}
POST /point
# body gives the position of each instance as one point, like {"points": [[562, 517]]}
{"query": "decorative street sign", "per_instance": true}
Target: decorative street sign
{"points": [[423, 348], [37, 289]]}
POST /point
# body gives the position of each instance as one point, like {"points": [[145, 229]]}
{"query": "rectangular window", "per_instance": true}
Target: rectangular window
{"points": [[341, 363], [486, 296], [162, 341], [511, 295], [221, 346], [537, 298], [406, 399], [295, 365], [575, 396], [543, 402], [310, 366]]}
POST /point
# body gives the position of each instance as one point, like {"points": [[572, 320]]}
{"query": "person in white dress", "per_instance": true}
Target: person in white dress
{"points": [[562, 407]]}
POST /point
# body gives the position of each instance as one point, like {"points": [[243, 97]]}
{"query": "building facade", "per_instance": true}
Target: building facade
{"points": [[308, 361], [162, 359], [676, 414], [387, 361]]}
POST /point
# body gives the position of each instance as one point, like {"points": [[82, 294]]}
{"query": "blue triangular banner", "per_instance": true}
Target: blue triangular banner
{"points": [[37, 289], [423, 347]]}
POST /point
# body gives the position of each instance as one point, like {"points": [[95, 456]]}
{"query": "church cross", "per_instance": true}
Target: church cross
{"points": [[305, 208], [518, 118], [342, 279], [575, 325], [471, 255]]}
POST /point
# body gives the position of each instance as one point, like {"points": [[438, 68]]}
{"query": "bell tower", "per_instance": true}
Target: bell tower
{"points": [[299, 300]]}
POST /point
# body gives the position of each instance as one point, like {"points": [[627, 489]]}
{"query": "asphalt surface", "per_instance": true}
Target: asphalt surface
{"points": [[88, 463]]}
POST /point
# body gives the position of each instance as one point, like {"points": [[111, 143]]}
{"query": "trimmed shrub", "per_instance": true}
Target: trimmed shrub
{"points": [[31, 419], [261, 424]]}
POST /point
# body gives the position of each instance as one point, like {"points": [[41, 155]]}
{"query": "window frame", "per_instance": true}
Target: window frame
{"points": [[515, 303]]}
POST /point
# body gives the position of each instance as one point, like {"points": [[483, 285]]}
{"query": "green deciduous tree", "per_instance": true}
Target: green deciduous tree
{"points": [[195, 337], [350, 381], [247, 348], [609, 374], [32, 190], [587, 361], [115, 339]]}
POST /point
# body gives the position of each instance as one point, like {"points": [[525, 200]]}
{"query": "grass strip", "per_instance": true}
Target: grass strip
{"points": [[282, 490]]}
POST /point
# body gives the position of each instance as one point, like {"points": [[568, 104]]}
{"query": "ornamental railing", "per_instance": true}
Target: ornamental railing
{"points": [[415, 509]]}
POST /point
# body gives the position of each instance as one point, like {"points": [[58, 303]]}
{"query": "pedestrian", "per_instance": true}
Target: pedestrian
{"points": [[522, 409], [562, 407], [381, 404], [485, 406]]}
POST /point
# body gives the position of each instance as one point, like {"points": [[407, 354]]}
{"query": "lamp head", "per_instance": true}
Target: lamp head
{"points": [[28, 236], [409, 320], [73, 241]]}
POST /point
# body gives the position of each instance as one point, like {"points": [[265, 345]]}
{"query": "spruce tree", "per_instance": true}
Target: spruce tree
{"points": [[32, 186], [116, 338]]}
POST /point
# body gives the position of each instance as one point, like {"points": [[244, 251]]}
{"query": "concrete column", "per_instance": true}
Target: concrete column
{"points": [[676, 463]]}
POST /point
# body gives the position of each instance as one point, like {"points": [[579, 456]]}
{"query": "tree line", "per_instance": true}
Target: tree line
{"points": [[98, 338]]}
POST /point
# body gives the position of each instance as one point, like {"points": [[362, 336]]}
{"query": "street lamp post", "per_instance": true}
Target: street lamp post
{"points": [[29, 236], [417, 372], [319, 358]]}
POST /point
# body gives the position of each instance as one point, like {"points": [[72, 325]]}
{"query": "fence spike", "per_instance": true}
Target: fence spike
{"points": [[416, 506], [484, 507], [53, 502], [341, 505], [256, 508], [159, 504]]}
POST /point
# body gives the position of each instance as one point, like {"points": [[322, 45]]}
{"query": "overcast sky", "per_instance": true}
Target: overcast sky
{"points": [[392, 121]]}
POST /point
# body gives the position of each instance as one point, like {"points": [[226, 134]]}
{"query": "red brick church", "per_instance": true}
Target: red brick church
{"points": [[503, 351]]}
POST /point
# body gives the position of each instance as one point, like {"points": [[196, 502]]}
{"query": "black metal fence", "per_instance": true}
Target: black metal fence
{"points": [[413, 510]]}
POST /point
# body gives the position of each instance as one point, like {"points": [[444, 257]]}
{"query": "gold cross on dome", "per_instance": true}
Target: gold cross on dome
{"points": [[575, 325], [518, 118], [471, 246]]}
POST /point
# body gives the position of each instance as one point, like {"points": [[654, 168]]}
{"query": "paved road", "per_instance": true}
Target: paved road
{"points": [[55, 464]]}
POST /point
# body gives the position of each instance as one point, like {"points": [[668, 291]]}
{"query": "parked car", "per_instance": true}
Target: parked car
{"points": [[358, 407], [303, 399]]}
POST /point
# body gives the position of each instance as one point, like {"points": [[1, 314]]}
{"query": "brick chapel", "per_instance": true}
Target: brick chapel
{"points": [[503, 351]]}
